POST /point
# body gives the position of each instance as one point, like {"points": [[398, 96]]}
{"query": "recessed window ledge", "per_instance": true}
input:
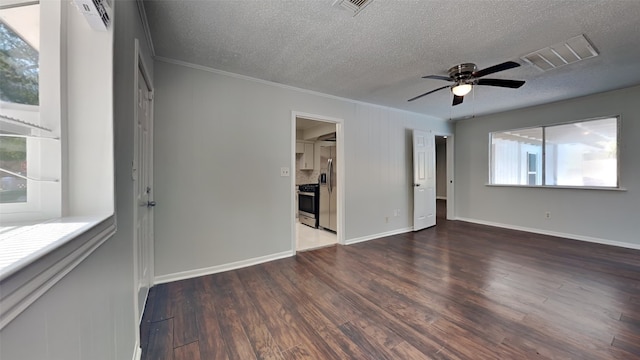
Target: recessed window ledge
{"points": [[35, 256], [559, 187]]}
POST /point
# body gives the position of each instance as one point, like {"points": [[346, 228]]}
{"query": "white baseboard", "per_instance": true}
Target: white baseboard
{"points": [[554, 233], [220, 268], [377, 236], [137, 352], [441, 198]]}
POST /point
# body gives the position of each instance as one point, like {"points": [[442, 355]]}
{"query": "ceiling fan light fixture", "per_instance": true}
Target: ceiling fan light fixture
{"points": [[461, 89]]}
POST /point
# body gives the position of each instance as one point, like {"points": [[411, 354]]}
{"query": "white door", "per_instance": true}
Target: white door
{"points": [[424, 182], [143, 187]]}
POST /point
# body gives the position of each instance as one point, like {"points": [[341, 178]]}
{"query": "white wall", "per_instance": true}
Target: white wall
{"points": [[219, 144], [89, 314], [596, 215], [89, 102]]}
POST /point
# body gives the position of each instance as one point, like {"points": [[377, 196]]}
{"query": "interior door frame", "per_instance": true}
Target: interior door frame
{"points": [[140, 66], [341, 175], [451, 211]]}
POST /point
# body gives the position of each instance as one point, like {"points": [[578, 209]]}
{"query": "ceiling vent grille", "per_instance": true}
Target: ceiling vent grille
{"points": [[352, 5], [561, 54]]}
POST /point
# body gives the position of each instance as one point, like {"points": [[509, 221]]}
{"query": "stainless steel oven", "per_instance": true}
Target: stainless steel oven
{"points": [[308, 204]]}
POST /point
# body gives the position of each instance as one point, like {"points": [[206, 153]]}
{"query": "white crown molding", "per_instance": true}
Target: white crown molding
{"points": [[283, 86]]}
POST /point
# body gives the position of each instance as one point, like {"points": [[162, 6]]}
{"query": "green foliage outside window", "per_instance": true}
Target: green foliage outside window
{"points": [[18, 68]]}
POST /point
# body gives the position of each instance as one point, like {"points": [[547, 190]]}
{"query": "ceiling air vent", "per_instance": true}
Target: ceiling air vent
{"points": [[561, 54], [352, 5]]}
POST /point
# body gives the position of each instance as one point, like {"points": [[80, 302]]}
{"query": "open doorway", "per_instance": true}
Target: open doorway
{"points": [[444, 178], [317, 181]]}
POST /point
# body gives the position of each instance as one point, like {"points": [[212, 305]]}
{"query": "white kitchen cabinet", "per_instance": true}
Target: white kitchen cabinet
{"points": [[306, 160], [299, 147]]}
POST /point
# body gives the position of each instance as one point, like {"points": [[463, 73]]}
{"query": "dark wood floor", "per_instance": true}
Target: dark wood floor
{"points": [[455, 291]]}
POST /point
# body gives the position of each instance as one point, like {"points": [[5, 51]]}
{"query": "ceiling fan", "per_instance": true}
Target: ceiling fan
{"points": [[465, 76]]}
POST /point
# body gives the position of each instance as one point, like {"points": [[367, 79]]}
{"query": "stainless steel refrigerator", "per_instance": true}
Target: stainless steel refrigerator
{"points": [[328, 193]]}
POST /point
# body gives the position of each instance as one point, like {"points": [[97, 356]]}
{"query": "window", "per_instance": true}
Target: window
{"points": [[13, 166], [18, 85], [577, 154], [56, 148], [514, 157], [29, 123]]}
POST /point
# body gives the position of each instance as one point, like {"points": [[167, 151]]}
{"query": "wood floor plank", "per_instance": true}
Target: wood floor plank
{"points": [[259, 336], [160, 341], [292, 330], [366, 302], [454, 291], [163, 300], [189, 351], [184, 315], [231, 330], [629, 343], [210, 340], [145, 323], [297, 353], [631, 320], [364, 342], [404, 350]]}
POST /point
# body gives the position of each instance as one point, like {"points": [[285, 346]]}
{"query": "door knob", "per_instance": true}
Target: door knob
{"points": [[417, 185], [151, 203]]}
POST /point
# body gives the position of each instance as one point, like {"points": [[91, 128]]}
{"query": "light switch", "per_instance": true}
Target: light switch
{"points": [[284, 171]]}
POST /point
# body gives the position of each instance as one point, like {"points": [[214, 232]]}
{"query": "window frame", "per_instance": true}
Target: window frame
{"points": [[44, 149], [617, 187]]}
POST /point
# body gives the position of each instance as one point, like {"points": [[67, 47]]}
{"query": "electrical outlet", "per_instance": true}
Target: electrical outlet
{"points": [[547, 215], [284, 171], [397, 212]]}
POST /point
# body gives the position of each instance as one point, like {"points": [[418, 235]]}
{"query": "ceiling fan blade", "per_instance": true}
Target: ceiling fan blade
{"points": [[438, 77], [514, 84], [457, 100], [496, 68], [427, 93]]}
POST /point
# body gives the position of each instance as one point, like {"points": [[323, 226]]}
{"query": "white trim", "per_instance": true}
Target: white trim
{"points": [[378, 236], [554, 233], [566, 187], [7, 4], [292, 184], [16, 302], [137, 351], [282, 86], [141, 69], [451, 193], [339, 123], [221, 268], [145, 26], [441, 198]]}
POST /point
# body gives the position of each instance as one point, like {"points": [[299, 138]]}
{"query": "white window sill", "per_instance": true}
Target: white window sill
{"points": [[33, 257], [559, 187]]}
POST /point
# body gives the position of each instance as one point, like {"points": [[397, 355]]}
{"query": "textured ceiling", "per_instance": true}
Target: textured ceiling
{"points": [[380, 55]]}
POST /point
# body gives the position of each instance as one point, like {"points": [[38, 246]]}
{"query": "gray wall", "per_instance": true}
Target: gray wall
{"points": [[219, 144], [89, 314], [598, 215]]}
